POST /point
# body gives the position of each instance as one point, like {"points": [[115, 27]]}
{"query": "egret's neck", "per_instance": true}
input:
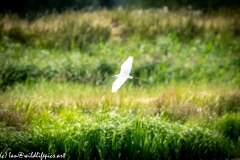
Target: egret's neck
{"points": [[115, 76], [127, 76]]}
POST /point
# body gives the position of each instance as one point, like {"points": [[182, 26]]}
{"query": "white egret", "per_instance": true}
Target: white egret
{"points": [[123, 75]]}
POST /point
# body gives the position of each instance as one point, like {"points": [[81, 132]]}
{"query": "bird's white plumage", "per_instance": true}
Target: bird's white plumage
{"points": [[126, 66], [123, 75], [118, 83]]}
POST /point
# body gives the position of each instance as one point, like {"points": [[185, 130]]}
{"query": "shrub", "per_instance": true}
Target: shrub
{"points": [[229, 104], [17, 34], [12, 74], [229, 126]]}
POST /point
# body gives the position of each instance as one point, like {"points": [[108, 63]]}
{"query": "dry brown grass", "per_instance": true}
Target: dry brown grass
{"points": [[143, 20]]}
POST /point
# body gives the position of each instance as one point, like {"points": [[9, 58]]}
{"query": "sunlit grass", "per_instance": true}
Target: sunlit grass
{"points": [[159, 17], [71, 92], [149, 101]]}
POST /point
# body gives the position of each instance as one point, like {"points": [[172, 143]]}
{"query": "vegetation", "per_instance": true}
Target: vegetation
{"points": [[56, 95]]}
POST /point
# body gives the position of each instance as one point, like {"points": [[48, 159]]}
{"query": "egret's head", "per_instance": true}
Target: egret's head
{"points": [[115, 76]]}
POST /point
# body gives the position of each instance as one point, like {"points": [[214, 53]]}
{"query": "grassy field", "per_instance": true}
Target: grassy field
{"points": [[55, 84]]}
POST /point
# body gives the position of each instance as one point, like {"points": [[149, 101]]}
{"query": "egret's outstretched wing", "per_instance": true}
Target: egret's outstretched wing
{"points": [[126, 66], [118, 83]]}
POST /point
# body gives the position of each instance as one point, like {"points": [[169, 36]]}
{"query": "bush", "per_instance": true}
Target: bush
{"points": [[113, 137], [229, 126], [96, 74], [1, 30], [229, 104], [15, 73], [18, 35]]}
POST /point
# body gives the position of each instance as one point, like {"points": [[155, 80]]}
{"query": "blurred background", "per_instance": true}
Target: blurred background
{"points": [[56, 59], [24, 7], [86, 41]]}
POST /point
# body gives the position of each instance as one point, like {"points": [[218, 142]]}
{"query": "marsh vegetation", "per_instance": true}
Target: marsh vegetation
{"points": [[56, 88]]}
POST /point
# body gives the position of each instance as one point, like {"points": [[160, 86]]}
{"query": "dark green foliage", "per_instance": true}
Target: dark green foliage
{"points": [[227, 104], [229, 126], [1, 30], [135, 139], [29, 8], [15, 142], [103, 72], [18, 35], [214, 4], [14, 73], [186, 32]]}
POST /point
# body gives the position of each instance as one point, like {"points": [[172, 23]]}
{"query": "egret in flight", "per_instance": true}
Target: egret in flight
{"points": [[123, 75]]}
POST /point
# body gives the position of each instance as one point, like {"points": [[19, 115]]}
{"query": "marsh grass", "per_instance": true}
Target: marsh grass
{"points": [[79, 48], [168, 61], [73, 29], [108, 135], [57, 119], [174, 103]]}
